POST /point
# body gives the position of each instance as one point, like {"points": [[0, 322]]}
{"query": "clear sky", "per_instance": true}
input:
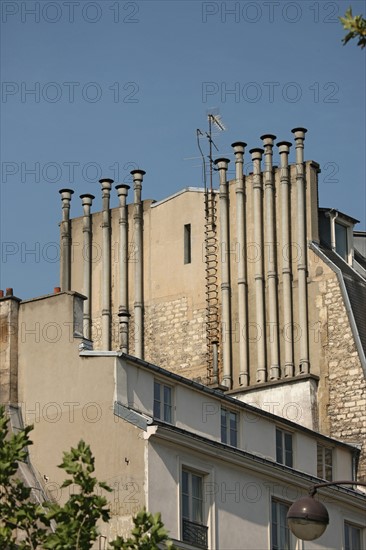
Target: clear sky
{"points": [[97, 88]]}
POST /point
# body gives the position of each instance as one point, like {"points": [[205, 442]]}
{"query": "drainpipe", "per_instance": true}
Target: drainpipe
{"points": [[258, 276], [333, 215], [86, 201], [239, 148], [284, 150], [122, 191], [222, 166], [272, 280], [138, 176], [65, 229], [299, 134], [106, 264]]}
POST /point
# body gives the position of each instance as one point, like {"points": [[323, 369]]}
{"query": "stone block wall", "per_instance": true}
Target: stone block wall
{"points": [[344, 381], [175, 337]]}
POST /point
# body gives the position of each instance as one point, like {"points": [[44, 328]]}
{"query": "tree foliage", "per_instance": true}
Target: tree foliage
{"points": [[27, 525], [356, 27]]}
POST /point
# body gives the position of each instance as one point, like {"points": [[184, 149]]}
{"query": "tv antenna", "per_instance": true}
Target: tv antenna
{"points": [[214, 121]]}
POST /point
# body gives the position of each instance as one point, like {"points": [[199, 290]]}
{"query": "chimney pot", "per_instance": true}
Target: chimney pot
{"points": [[9, 292], [238, 146], [1, 294], [222, 163], [57, 289]]}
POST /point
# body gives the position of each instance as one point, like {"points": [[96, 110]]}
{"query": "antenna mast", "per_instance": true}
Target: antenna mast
{"points": [[211, 256]]}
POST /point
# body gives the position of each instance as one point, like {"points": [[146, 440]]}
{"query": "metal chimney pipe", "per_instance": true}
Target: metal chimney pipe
{"points": [[272, 280], [65, 230], [86, 201], [284, 150], [106, 263], [122, 191], [259, 274], [299, 134], [222, 166], [138, 176], [239, 149]]}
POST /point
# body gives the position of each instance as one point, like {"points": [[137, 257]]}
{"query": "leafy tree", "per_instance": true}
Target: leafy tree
{"points": [[25, 525], [356, 25]]}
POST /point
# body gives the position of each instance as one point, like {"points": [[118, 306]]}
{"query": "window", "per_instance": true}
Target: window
{"points": [[341, 240], [284, 453], [194, 531], [352, 537], [280, 533], [187, 244], [229, 427], [324, 462], [162, 401]]}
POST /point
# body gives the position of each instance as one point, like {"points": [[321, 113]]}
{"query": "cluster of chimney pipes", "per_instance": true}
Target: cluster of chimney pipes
{"points": [[222, 166]]}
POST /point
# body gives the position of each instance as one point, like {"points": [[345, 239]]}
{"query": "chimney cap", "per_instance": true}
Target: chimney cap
{"points": [[286, 143], [222, 159], [65, 190], [239, 143], [106, 180], [268, 136], [138, 171], [122, 186], [256, 150], [87, 196], [299, 129]]}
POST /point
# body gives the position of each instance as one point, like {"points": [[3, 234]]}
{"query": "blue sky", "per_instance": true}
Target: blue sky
{"points": [[120, 84]]}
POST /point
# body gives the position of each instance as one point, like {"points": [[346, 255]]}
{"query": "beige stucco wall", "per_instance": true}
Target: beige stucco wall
{"points": [[67, 398]]}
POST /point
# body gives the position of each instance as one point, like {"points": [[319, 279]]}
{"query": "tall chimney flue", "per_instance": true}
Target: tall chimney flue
{"points": [[86, 201], [239, 149], [123, 314], [106, 263], [299, 134], [268, 141], [259, 272], [284, 150], [138, 176], [65, 229], [222, 166]]}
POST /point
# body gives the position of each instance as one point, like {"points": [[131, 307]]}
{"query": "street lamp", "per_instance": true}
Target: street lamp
{"points": [[308, 518]]}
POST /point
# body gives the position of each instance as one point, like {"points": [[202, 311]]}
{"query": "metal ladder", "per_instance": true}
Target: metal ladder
{"points": [[212, 293]]}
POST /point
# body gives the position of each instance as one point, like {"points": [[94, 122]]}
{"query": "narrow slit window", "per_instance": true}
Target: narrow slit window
{"points": [[187, 244]]}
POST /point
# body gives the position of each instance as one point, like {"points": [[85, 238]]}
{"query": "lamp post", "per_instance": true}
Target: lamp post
{"points": [[308, 518]]}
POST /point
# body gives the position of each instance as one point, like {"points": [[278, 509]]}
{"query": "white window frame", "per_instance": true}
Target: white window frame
{"points": [[229, 441], [283, 446], [353, 525], [209, 506], [279, 501], [323, 464], [162, 415]]}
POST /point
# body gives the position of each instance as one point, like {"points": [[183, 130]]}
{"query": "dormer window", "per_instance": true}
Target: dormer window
{"points": [[336, 232]]}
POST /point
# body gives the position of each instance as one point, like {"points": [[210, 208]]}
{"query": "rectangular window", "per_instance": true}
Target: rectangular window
{"points": [[162, 401], [284, 452], [229, 427], [324, 462], [352, 537], [187, 244], [341, 240], [194, 530], [280, 533]]}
